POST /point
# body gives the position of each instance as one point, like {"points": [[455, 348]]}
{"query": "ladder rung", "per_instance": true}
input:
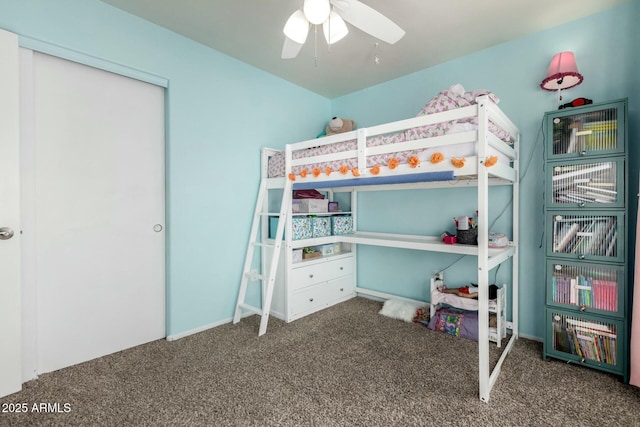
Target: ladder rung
{"points": [[263, 245], [255, 276], [251, 308]]}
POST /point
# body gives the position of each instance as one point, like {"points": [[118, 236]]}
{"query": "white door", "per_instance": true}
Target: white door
{"points": [[10, 316], [95, 239]]}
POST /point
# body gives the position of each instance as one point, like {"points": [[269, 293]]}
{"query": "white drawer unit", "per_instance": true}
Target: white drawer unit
{"points": [[320, 271], [317, 297], [312, 285]]}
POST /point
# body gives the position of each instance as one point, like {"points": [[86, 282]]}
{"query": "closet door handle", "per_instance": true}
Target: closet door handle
{"points": [[6, 233]]}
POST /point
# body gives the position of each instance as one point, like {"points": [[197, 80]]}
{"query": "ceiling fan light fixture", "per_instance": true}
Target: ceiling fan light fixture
{"points": [[338, 13], [297, 27], [334, 28], [316, 11]]}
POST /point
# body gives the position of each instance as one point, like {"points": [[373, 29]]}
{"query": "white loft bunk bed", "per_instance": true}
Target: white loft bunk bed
{"points": [[473, 144]]}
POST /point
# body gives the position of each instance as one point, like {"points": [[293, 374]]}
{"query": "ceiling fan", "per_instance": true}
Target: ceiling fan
{"points": [[332, 14]]}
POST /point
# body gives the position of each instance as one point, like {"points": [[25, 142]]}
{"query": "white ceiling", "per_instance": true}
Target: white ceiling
{"points": [[436, 31]]}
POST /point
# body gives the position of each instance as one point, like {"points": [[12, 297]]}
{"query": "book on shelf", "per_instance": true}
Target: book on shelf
{"points": [[590, 344], [585, 291], [585, 183], [600, 135], [592, 236]]}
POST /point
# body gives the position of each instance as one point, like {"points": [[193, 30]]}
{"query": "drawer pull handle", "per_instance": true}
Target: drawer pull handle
{"points": [[341, 268], [583, 153], [310, 299], [582, 204], [581, 256], [341, 289], [583, 307], [311, 276], [583, 360]]}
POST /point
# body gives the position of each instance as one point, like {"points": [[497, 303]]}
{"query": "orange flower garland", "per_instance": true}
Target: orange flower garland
{"points": [[316, 172], [414, 161], [393, 163], [355, 172], [344, 169], [375, 170], [303, 173], [458, 162], [328, 170], [292, 176], [491, 160], [437, 157]]}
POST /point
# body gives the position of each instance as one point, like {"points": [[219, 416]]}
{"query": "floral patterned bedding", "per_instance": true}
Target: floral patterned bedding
{"points": [[454, 97]]}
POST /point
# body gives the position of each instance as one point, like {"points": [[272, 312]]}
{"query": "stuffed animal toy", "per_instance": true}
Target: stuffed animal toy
{"points": [[339, 125]]}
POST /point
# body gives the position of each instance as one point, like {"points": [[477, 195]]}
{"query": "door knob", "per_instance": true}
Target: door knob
{"points": [[5, 233]]}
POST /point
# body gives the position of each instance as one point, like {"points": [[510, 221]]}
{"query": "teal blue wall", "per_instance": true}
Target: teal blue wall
{"points": [[220, 111], [606, 51]]}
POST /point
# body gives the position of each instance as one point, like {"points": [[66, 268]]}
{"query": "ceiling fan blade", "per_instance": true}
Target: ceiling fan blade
{"points": [[290, 49], [369, 20], [297, 27], [334, 28]]}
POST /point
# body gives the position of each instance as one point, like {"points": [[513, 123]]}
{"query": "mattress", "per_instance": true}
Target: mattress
{"points": [[454, 97]]}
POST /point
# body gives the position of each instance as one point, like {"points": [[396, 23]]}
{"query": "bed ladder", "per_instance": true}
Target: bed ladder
{"points": [[266, 278]]}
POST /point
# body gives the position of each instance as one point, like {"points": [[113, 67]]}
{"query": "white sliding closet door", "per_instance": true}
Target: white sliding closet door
{"points": [[97, 248], [10, 316]]}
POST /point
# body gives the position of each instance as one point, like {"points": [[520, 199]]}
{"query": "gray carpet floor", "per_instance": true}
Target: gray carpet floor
{"points": [[343, 366]]}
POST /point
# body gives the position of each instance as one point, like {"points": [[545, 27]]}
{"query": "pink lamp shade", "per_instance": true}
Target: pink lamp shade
{"points": [[562, 74]]}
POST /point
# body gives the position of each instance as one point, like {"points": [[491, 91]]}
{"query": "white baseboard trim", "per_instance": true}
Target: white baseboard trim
{"points": [[383, 296], [530, 337], [366, 293], [174, 337]]}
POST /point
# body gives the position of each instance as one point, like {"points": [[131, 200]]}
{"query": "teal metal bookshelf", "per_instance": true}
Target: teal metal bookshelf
{"points": [[586, 200]]}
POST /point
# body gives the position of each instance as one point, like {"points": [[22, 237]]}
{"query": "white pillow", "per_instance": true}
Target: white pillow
{"points": [[401, 310]]}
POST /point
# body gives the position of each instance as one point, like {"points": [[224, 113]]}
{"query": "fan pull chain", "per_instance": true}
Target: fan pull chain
{"points": [[315, 46], [329, 39]]}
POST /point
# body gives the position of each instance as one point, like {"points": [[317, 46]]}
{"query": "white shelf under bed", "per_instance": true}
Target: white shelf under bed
{"points": [[408, 241]]}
